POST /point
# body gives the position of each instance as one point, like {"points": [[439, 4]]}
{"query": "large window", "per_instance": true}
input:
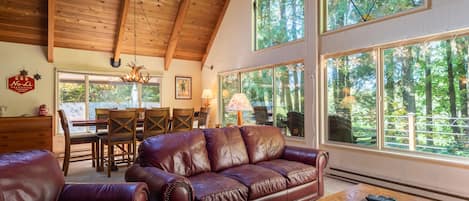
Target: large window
{"points": [[276, 93], [424, 92], [342, 13], [80, 95], [277, 22]]}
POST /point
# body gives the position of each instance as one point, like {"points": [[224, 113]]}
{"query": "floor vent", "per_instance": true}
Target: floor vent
{"points": [[397, 186]]}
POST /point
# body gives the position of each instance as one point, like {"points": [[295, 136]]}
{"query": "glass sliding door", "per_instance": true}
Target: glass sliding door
{"points": [[257, 85], [230, 84], [351, 95], [72, 98], [151, 93], [289, 99]]}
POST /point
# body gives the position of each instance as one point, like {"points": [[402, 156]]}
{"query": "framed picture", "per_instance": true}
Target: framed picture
{"points": [[183, 87]]}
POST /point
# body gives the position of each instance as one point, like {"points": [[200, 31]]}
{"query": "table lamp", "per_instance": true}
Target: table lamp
{"points": [[206, 96], [239, 102]]}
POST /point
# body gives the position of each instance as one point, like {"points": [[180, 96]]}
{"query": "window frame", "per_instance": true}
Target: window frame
{"points": [[380, 149], [87, 87], [254, 31], [322, 5], [251, 69]]}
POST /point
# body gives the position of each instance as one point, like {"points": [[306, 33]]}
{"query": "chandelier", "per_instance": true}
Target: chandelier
{"points": [[135, 75]]}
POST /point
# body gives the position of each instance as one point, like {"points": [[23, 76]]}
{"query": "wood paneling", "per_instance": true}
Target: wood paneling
{"points": [[95, 24], [25, 133]]}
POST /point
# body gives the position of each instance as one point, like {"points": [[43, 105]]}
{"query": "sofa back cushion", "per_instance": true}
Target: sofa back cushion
{"points": [[30, 175], [182, 153], [263, 142], [225, 148]]}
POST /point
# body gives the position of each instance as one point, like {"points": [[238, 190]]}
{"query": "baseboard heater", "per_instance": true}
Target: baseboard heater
{"points": [[431, 194]]}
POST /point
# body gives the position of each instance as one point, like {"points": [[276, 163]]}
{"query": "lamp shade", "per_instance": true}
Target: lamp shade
{"points": [[207, 94], [239, 102]]}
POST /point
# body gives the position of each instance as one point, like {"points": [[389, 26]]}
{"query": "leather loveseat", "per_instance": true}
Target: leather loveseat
{"points": [[36, 176], [247, 163]]}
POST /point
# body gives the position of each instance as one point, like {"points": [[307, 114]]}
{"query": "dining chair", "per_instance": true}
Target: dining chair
{"points": [[155, 123], [182, 119], [202, 119], [140, 111], [102, 114], [81, 138], [121, 131]]}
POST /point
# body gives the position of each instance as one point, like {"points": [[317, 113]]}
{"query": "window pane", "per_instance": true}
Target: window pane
{"points": [[351, 93], [72, 98], [151, 93], [289, 99], [342, 13], [278, 21], [111, 92], [257, 85], [229, 86], [426, 99]]}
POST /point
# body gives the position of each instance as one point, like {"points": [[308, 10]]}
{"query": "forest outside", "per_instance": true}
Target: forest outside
{"points": [[342, 13], [425, 97], [279, 90]]}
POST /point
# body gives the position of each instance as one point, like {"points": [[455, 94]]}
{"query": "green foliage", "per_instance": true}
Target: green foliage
{"points": [[72, 92], [341, 13], [151, 93], [278, 21]]}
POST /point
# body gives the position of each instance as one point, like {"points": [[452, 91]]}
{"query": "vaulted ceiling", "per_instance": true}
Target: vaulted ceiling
{"points": [[182, 29]]}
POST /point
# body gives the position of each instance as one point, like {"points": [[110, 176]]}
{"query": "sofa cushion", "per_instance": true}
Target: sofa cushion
{"points": [[295, 172], [263, 142], [182, 153], [225, 148], [260, 181], [31, 175], [211, 186]]}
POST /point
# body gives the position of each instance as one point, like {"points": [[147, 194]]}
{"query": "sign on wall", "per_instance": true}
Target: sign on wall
{"points": [[21, 83]]}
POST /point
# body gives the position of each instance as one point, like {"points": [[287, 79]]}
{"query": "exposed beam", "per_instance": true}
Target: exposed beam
{"points": [[120, 34], [214, 33], [174, 38], [50, 30]]}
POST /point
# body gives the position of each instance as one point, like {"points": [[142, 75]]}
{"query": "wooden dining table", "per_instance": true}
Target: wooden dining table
{"points": [[97, 122]]}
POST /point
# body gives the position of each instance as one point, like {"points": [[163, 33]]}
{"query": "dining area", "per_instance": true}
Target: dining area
{"points": [[114, 134]]}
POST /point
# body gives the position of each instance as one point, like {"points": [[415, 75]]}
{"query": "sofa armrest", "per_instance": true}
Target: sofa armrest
{"points": [[162, 185], [314, 157], [105, 192]]}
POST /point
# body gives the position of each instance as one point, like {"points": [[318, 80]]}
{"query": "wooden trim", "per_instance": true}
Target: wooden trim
{"points": [[121, 28], [214, 33], [50, 30], [301, 40], [174, 38], [324, 32], [248, 69], [349, 52]]}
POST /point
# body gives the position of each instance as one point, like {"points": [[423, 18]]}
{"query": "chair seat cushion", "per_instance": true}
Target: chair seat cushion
{"points": [[211, 186], [83, 138], [296, 173], [259, 180], [139, 136]]}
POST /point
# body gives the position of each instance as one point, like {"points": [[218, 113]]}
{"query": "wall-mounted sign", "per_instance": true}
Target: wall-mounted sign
{"points": [[21, 84]]}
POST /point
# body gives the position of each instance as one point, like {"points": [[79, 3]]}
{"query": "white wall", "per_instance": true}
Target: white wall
{"points": [[445, 15], [233, 49], [14, 57]]}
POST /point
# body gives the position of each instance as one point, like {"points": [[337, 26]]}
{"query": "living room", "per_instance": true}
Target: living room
{"points": [[380, 86]]}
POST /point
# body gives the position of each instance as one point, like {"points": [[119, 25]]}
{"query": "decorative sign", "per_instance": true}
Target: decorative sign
{"points": [[21, 84]]}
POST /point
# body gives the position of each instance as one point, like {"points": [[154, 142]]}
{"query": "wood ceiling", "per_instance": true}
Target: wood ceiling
{"points": [[182, 29]]}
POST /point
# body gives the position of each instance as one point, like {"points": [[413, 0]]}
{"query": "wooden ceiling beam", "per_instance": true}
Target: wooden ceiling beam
{"points": [[50, 30], [214, 33], [121, 30], [174, 38]]}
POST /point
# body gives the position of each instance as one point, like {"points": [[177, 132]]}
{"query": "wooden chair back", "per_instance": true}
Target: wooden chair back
{"points": [[156, 122], [261, 115], [182, 119], [140, 111], [203, 117], [102, 113], [65, 126], [122, 125], [295, 123]]}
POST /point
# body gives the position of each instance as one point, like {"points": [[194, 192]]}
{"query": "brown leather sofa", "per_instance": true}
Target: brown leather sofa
{"points": [[36, 176], [247, 163]]}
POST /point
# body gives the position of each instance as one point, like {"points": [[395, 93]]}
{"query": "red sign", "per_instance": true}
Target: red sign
{"points": [[21, 84]]}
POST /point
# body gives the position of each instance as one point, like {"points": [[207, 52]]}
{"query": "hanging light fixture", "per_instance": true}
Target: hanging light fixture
{"points": [[135, 75]]}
